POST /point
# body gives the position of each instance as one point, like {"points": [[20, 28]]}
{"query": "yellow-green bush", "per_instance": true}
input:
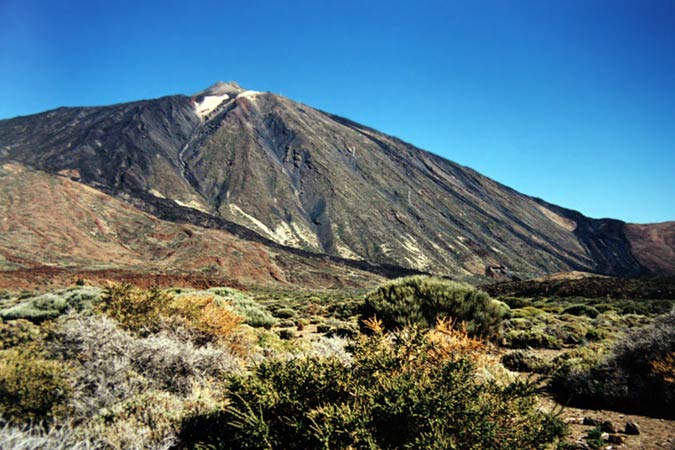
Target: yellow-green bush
{"points": [[134, 309], [146, 312], [399, 391], [581, 310], [530, 338], [527, 311], [40, 307], [14, 333], [521, 361], [244, 305], [31, 387]]}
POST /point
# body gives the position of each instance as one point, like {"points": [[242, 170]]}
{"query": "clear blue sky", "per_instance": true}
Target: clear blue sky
{"points": [[572, 101]]}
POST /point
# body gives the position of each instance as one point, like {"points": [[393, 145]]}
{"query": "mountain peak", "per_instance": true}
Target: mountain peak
{"points": [[221, 88]]}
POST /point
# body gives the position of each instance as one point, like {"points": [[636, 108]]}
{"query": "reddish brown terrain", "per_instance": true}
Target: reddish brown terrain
{"points": [[653, 246], [54, 230]]}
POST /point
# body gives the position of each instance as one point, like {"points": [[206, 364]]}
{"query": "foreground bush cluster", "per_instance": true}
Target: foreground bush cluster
{"points": [[409, 365], [125, 368], [409, 389], [119, 369]]}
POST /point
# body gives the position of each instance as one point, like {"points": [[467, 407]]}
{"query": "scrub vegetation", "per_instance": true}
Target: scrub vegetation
{"points": [[440, 362]]}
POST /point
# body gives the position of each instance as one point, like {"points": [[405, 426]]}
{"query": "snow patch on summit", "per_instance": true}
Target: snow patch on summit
{"points": [[209, 103], [248, 94]]}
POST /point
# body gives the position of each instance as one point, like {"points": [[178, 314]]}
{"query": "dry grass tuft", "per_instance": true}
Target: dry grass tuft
{"points": [[450, 339], [205, 315], [374, 325], [664, 368]]}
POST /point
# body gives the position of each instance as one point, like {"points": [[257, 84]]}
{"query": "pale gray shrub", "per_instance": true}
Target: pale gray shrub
{"points": [[331, 347], [103, 373], [173, 364], [153, 419], [112, 364], [57, 437]]}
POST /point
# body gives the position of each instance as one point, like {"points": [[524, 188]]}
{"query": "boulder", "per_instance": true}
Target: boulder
{"points": [[632, 428], [608, 427], [616, 439], [591, 421]]}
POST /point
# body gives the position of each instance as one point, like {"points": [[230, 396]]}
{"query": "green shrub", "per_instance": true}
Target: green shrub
{"points": [[253, 313], [553, 309], [286, 334], [581, 310], [285, 313], [527, 312], [571, 333], [420, 300], [335, 327], [346, 329], [604, 307], [594, 439], [631, 307], [31, 387], [547, 330], [530, 339], [595, 334], [515, 302], [52, 304], [286, 323], [226, 292], [344, 309], [518, 323], [323, 329], [637, 375], [584, 356], [521, 361], [634, 321], [398, 392]]}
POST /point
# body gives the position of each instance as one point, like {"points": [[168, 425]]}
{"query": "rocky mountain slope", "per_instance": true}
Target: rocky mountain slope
{"points": [[284, 174]]}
